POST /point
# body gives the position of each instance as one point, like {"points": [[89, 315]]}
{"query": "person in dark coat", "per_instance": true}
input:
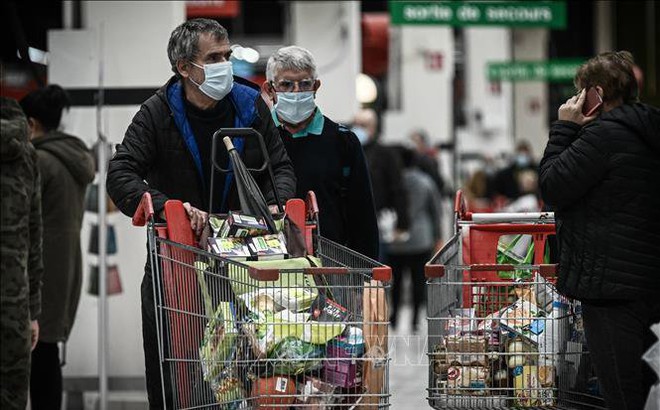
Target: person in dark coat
{"points": [[21, 263], [326, 156], [409, 257], [506, 181], [601, 174], [385, 172], [66, 168], [166, 150], [426, 159]]}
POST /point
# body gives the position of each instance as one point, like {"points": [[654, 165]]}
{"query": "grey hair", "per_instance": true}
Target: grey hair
{"points": [[290, 58], [184, 41]]}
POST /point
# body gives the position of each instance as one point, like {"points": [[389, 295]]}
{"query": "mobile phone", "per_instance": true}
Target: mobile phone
{"points": [[592, 102]]}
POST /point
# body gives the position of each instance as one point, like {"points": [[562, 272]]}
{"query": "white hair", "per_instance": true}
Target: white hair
{"points": [[290, 58]]}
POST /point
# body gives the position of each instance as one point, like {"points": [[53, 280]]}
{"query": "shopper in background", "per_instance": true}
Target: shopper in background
{"points": [[601, 175], [21, 265], [385, 171], [66, 168], [528, 201], [507, 181], [409, 256], [426, 159], [167, 150], [327, 157]]}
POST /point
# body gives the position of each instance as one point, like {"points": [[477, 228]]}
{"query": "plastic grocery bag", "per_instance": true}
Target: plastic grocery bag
{"points": [[374, 333], [218, 346], [293, 356], [517, 250]]}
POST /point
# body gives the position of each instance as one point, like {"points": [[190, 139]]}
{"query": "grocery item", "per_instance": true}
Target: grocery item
{"points": [[467, 380], [229, 392], [293, 356], [316, 393], [348, 344], [325, 309], [274, 393], [241, 225], [375, 333], [528, 389], [268, 247], [520, 352], [342, 373]]}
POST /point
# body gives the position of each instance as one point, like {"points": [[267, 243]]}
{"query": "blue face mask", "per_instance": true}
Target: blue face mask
{"points": [[361, 134], [295, 108], [523, 160], [218, 79]]}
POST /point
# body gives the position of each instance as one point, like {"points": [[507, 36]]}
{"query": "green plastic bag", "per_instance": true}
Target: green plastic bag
{"points": [[220, 333], [517, 250], [292, 356]]}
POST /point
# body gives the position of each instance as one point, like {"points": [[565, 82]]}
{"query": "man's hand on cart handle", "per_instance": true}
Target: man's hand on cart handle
{"points": [[34, 334], [273, 209], [198, 218]]}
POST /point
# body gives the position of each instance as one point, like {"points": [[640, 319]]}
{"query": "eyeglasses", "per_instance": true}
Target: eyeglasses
{"points": [[288, 86]]}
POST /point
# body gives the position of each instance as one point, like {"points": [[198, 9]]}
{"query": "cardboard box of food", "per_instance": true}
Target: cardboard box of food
{"points": [[466, 343]]}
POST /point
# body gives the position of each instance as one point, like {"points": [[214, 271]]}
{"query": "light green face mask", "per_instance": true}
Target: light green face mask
{"points": [[295, 108]]}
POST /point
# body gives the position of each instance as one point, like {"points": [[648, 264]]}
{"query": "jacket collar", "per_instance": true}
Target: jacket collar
{"points": [[242, 96]]}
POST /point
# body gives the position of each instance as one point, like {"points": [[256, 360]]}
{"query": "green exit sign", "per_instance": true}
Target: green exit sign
{"points": [[551, 14], [557, 71]]}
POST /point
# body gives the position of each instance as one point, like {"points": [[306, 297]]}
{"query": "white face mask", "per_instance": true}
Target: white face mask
{"points": [[295, 108], [218, 79]]}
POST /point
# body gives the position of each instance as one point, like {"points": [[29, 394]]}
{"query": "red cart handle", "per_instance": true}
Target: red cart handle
{"points": [[438, 271], [434, 271], [312, 205], [460, 206], [144, 211]]}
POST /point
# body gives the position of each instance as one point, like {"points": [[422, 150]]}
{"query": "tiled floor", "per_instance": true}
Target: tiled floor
{"points": [[409, 365]]}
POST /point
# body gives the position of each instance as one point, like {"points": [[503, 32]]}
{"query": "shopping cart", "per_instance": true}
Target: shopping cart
{"points": [[499, 334], [304, 332]]}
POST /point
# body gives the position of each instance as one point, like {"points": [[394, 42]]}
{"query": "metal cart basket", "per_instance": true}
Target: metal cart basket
{"points": [[499, 334], [305, 332]]}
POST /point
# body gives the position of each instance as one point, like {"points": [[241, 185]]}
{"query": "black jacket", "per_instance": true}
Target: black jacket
{"points": [[156, 157], [333, 166], [604, 182], [386, 172], [66, 167]]}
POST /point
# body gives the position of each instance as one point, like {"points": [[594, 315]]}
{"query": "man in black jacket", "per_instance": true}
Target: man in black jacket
{"points": [[167, 149], [601, 175], [327, 157]]}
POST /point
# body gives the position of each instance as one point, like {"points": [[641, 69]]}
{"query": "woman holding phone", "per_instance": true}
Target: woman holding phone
{"points": [[600, 173]]}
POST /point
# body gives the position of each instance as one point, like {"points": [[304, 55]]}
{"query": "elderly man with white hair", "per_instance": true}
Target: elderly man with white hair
{"points": [[327, 157]]}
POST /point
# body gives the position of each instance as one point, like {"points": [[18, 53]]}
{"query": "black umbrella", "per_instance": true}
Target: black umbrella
{"points": [[250, 196]]}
